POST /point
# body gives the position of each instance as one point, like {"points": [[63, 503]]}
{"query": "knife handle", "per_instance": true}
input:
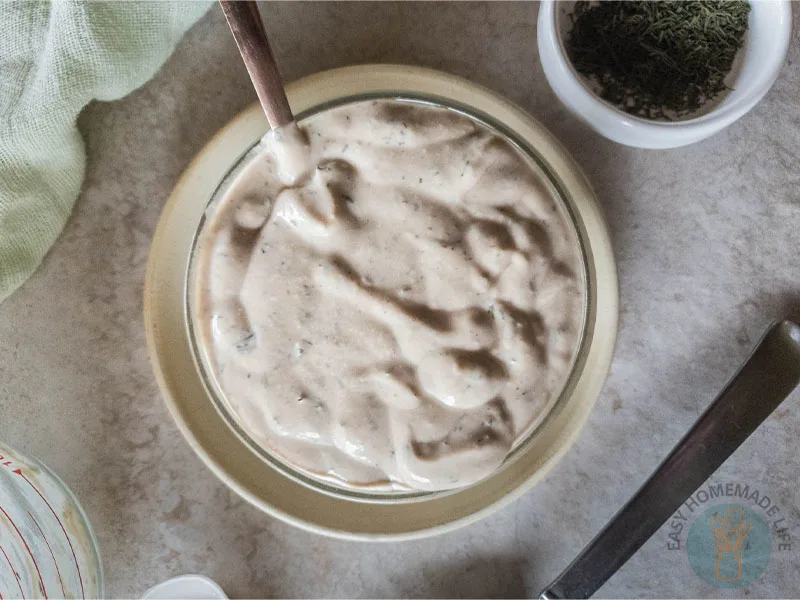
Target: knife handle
{"points": [[767, 377]]}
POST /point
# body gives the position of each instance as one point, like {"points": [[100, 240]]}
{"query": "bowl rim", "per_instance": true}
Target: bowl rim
{"points": [[211, 380], [592, 107], [244, 471]]}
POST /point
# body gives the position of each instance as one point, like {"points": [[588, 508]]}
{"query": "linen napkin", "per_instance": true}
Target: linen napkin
{"points": [[54, 59]]}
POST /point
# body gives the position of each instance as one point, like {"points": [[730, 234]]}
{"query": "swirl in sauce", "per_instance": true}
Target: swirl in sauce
{"points": [[389, 296]]}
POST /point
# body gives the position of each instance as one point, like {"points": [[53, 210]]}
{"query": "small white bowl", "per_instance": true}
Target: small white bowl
{"points": [[758, 64]]}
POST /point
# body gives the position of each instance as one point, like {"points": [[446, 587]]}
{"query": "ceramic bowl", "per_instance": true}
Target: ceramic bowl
{"points": [[755, 70], [278, 489]]}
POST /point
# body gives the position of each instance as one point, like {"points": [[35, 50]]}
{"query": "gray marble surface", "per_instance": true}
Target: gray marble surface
{"points": [[707, 248]]}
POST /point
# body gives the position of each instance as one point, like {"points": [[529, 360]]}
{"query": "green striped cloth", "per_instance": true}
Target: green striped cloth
{"points": [[54, 59]]}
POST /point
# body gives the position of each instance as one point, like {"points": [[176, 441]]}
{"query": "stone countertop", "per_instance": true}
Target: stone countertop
{"points": [[706, 243]]}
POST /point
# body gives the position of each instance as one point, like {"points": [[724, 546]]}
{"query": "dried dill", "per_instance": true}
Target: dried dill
{"points": [[658, 60]]}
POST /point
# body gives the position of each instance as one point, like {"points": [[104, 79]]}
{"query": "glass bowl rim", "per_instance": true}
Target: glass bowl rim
{"points": [[362, 493], [94, 545]]}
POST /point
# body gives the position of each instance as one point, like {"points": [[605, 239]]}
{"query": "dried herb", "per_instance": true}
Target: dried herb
{"points": [[658, 60]]}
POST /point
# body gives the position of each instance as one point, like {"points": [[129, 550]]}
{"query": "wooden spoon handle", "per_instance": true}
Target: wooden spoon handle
{"points": [[248, 31]]}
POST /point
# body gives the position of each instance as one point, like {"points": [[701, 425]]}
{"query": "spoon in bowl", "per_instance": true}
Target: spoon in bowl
{"points": [[251, 39], [291, 148]]}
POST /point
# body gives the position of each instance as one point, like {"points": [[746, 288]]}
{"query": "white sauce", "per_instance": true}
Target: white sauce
{"points": [[389, 296]]}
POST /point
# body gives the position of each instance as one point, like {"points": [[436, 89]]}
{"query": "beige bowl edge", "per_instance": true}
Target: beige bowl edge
{"points": [[240, 468]]}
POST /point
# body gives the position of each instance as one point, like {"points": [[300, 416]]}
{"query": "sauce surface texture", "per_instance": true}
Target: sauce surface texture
{"points": [[389, 296]]}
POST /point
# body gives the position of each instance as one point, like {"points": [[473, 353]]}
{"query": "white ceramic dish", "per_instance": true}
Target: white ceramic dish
{"points": [[759, 62], [196, 587], [239, 464]]}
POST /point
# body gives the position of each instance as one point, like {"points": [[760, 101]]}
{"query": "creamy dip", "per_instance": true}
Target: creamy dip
{"points": [[389, 296]]}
